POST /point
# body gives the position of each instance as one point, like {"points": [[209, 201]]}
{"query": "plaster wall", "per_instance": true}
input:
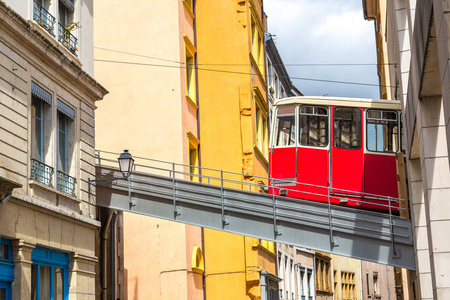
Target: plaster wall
{"points": [[227, 119], [145, 49]]}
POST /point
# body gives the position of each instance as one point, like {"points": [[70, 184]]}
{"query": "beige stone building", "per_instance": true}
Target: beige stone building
{"points": [[417, 47], [47, 101], [295, 268]]}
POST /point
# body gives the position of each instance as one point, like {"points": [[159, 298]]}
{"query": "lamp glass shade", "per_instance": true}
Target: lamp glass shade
{"points": [[126, 163]]}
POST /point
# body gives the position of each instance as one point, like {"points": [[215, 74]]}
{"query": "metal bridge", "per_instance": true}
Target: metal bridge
{"points": [[225, 201]]}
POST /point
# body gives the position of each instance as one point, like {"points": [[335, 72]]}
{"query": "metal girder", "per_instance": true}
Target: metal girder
{"points": [[333, 229]]}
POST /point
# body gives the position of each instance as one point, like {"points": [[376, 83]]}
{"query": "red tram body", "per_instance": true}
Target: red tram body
{"points": [[336, 150]]}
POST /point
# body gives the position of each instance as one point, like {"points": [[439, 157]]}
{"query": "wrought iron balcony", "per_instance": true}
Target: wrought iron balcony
{"points": [[66, 183], [67, 39], [41, 172], [43, 17]]}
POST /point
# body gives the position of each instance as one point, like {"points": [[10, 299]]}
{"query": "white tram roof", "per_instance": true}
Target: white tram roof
{"points": [[341, 101]]}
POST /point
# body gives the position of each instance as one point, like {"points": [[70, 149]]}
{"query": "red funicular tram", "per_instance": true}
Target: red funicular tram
{"points": [[340, 150]]}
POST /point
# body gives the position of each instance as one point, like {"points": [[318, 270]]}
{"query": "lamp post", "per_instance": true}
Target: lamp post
{"points": [[126, 163]]}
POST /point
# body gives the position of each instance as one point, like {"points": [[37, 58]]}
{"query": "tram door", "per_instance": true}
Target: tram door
{"points": [[312, 152], [283, 149], [347, 151]]}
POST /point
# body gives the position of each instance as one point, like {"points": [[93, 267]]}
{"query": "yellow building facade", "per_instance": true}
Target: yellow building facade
{"points": [[141, 50], [234, 137]]}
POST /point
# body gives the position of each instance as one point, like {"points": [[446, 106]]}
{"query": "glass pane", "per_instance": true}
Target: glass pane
{"points": [[382, 133], [2, 294], [285, 127], [313, 127], [58, 287], [34, 281], [44, 282], [347, 128], [36, 129], [389, 115], [62, 136], [4, 254]]}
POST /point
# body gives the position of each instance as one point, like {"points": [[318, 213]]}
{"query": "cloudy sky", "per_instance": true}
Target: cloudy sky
{"points": [[325, 32]]}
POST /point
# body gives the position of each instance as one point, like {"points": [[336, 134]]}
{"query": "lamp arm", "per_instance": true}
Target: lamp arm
{"points": [[91, 181]]}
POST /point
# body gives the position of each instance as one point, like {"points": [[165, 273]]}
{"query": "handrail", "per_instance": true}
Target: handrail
{"points": [[267, 183]]}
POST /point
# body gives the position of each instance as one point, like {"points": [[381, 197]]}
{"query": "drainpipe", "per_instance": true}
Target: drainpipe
{"points": [[113, 256], [103, 241]]}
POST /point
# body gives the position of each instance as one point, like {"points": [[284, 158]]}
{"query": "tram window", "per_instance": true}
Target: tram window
{"points": [[285, 127], [313, 126], [382, 131], [347, 128]]}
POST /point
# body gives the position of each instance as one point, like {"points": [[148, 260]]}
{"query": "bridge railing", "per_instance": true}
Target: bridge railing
{"points": [[256, 184]]}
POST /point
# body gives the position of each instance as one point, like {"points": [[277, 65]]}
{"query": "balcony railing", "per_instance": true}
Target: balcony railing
{"points": [[66, 183], [67, 39], [43, 17], [41, 172]]}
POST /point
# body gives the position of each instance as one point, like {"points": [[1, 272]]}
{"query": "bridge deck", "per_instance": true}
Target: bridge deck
{"points": [[333, 229]]}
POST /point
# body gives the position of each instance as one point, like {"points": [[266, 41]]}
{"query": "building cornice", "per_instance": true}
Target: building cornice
{"points": [[46, 51]]}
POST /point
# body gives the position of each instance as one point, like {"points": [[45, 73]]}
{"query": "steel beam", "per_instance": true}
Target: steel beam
{"points": [[337, 230]]}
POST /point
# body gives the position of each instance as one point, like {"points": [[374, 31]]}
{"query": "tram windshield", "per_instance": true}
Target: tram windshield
{"points": [[285, 127], [382, 131], [313, 126], [347, 128]]}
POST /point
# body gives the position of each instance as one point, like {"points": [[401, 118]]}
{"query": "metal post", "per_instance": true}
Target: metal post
{"points": [[176, 212], [132, 203], [391, 227], [275, 229], [224, 220], [332, 240]]}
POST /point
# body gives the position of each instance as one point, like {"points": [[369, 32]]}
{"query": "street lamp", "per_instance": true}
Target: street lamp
{"points": [[126, 163]]}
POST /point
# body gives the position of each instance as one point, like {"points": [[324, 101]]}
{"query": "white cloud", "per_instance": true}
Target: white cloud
{"points": [[325, 31]]}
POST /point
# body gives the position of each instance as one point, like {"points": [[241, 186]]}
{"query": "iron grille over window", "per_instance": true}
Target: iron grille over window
{"points": [[67, 39], [43, 17], [66, 183], [41, 172]]}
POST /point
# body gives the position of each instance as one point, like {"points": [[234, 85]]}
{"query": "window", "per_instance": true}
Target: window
{"points": [[323, 274], [49, 274], [269, 74], [42, 16], [41, 101], [285, 127], [348, 285], [190, 69], [347, 128], [67, 25], [66, 9], [193, 156], [37, 129], [313, 126], [257, 39], [367, 283], [261, 111], [301, 289], [65, 146], [6, 269], [375, 283], [309, 273], [382, 131], [277, 87], [281, 274]]}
